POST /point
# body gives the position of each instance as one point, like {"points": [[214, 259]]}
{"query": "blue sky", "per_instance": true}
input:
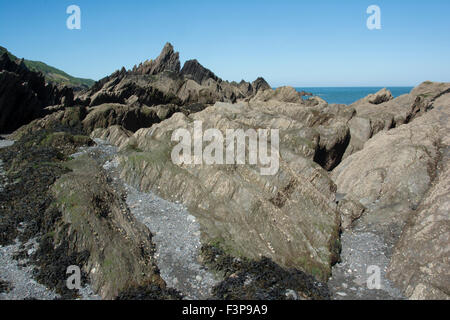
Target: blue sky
{"points": [[298, 43]]}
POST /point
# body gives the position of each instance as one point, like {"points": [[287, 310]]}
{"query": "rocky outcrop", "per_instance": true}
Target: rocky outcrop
{"points": [[130, 118], [96, 218], [381, 96], [168, 60], [281, 94], [420, 264], [161, 81], [259, 85], [393, 171], [290, 217], [116, 135], [86, 120], [379, 112], [24, 94], [401, 177], [192, 69], [60, 119]]}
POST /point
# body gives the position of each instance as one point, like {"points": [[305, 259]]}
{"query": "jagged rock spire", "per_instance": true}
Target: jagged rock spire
{"points": [[168, 60]]}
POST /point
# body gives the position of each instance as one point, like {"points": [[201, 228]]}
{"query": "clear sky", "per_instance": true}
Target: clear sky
{"points": [[298, 43]]}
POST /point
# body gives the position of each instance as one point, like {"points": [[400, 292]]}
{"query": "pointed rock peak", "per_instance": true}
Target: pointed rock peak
{"points": [[168, 60], [260, 84], [168, 48], [192, 69]]}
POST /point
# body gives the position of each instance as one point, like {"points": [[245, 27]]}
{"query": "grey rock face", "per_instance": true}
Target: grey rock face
{"points": [[421, 261], [260, 84], [401, 177], [130, 118], [381, 96], [379, 112], [290, 217], [168, 60], [192, 69], [24, 94]]}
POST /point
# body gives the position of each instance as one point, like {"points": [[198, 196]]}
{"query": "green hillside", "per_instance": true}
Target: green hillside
{"points": [[52, 74]]}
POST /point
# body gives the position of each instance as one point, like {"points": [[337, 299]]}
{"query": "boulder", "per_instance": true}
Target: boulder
{"points": [[282, 94], [350, 211], [381, 96]]}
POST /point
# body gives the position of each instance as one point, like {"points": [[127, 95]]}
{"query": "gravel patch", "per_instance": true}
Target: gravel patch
{"points": [[363, 253], [6, 143], [177, 238], [102, 152], [19, 276]]}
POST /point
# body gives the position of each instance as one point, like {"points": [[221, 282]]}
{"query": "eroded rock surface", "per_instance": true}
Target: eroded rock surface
{"points": [[421, 261], [98, 221], [401, 177], [380, 112], [290, 217], [24, 94]]}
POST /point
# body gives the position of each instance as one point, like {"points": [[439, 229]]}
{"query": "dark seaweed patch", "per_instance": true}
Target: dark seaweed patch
{"points": [[26, 210], [150, 292], [246, 279]]}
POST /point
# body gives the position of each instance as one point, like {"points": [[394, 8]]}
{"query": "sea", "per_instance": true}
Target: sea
{"points": [[348, 95]]}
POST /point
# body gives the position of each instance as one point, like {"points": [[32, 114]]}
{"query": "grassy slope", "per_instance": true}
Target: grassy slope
{"points": [[52, 74]]}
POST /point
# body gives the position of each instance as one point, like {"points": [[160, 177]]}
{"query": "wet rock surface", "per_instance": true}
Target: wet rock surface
{"points": [[16, 277]]}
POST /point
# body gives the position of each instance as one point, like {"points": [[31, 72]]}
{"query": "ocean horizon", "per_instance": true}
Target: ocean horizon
{"points": [[348, 95]]}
